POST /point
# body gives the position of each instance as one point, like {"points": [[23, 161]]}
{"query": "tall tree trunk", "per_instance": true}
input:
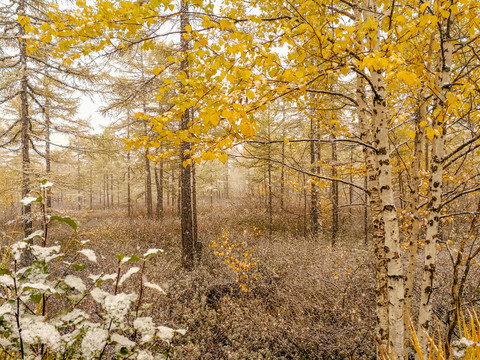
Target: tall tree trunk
{"points": [[79, 180], [91, 188], [25, 123], [414, 199], [270, 194], [48, 155], [129, 170], [112, 201], [148, 186], [389, 215], [305, 227], [159, 186], [381, 286], [227, 185], [436, 177], [211, 190], [334, 194], [107, 193], [350, 192], [188, 245], [198, 244], [314, 158]]}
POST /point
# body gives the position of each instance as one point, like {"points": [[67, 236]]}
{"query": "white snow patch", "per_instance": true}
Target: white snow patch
{"points": [[28, 200], [122, 340], [38, 233], [145, 327], [117, 306], [42, 253], [6, 280], [145, 355], [47, 185], [129, 273], [93, 342], [152, 252], [155, 287], [90, 254], [75, 282], [36, 331]]}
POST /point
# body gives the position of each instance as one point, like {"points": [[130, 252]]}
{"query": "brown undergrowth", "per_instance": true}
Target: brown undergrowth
{"points": [[309, 302]]}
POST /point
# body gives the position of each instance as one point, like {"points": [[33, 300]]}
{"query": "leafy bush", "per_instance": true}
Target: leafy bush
{"points": [[45, 311]]}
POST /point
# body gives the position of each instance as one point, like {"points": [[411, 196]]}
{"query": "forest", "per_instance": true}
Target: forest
{"points": [[239, 179]]}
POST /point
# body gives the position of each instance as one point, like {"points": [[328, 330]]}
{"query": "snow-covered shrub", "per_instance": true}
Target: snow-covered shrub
{"points": [[32, 328]]}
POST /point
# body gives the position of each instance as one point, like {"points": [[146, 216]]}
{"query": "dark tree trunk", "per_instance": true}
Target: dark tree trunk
{"points": [[314, 158], [334, 195], [25, 121], [186, 220], [159, 186]]}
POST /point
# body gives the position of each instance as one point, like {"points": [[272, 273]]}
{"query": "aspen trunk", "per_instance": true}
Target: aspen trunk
{"points": [[436, 180], [381, 286], [415, 226], [390, 221]]}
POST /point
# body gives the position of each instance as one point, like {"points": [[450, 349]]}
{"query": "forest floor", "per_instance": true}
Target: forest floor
{"points": [[302, 299]]}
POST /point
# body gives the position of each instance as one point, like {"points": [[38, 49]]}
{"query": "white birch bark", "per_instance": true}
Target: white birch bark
{"points": [[413, 209], [381, 288], [435, 181]]}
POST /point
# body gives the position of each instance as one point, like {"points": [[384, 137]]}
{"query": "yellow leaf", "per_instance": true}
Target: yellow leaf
{"points": [[430, 133], [423, 123], [156, 71], [224, 24], [188, 28], [138, 115], [208, 155], [411, 134], [250, 94], [223, 157]]}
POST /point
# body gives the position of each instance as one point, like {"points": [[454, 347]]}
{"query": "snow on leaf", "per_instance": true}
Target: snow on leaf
{"points": [[28, 200], [6, 308], [145, 355], [17, 249], [46, 185], [129, 273], [165, 333], [36, 331], [38, 286], [122, 340], [6, 280], [152, 252], [93, 342], [145, 327], [75, 282], [117, 306], [98, 295], [155, 287], [42, 253], [38, 233], [90, 254]]}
